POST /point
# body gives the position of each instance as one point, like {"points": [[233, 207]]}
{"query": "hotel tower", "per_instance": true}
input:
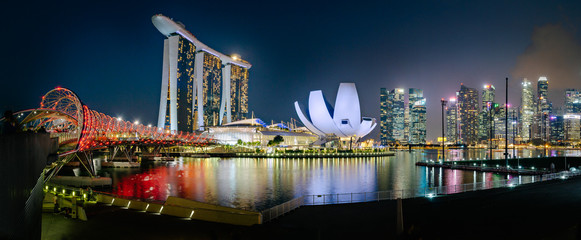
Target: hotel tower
{"points": [[200, 86]]}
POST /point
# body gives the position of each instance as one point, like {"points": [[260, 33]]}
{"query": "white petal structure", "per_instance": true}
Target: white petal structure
{"points": [[343, 121]]}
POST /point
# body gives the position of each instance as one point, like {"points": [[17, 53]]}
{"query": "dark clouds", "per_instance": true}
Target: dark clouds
{"points": [[554, 52]]}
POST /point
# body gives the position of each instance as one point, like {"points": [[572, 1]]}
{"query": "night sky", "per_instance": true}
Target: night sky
{"points": [[110, 53]]}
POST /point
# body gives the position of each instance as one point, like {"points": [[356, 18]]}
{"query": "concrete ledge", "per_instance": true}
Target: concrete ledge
{"points": [[177, 211], [81, 181], [138, 205], [235, 218], [153, 208], [181, 202], [183, 208], [120, 202], [120, 164], [106, 199], [212, 213]]}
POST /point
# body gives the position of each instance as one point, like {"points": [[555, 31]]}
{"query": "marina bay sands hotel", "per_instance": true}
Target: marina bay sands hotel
{"points": [[201, 87]]}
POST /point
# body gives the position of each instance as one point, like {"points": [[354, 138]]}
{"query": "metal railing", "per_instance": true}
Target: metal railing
{"points": [[341, 198], [279, 210]]}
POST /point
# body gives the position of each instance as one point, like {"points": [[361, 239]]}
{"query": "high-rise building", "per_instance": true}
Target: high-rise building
{"points": [[499, 122], [238, 91], [212, 89], [527, 110], [392, 114], [488, 93], [572, 101], [543, 110], [572, 127], [557, 129], [383, 123], [406, 122], [452, 121], [513, 127], [542, 94], [468, 111], [396, 98], [200, 86], [486, 117], [417, 106], [572, 115]]}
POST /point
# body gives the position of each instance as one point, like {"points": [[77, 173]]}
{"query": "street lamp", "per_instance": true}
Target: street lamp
{"points": [[506, 124], [514, 125], [443, 139]]}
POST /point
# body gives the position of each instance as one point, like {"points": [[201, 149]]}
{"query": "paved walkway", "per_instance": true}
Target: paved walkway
{"points": [[547, 210]]}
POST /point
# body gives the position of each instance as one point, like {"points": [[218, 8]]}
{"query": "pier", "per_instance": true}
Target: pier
{"points": [[519, 166]]}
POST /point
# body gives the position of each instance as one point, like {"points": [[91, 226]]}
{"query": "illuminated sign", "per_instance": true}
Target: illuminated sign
{"points": [[572, 116]]}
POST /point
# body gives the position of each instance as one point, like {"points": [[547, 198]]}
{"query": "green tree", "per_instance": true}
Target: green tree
{"points": [[276, 140]]}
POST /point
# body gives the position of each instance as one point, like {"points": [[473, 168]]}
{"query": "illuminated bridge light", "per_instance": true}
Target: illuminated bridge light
{"points": [[91, 129]]}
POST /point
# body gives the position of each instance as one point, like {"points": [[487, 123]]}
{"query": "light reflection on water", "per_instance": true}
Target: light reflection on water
{"points": [[262, 183]]}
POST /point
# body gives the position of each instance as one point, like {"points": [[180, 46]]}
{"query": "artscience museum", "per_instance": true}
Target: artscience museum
{"points": [[343, 120]]}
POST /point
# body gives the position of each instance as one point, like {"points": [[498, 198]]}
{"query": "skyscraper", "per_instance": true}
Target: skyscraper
{"points": [[200, 86], [486, 116], [383, 123], [527, 110], [406, 122], [572, 126], [488, 93], [572, 116], [572, 101], [417, 106], [452, 120], [499, 127], [557, 134], [392, 115], [543, 109], [542, 94], [468, 111], [397, 108]]}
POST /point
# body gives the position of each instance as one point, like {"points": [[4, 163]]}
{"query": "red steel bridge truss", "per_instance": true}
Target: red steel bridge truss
{"points": [[81, 131]]}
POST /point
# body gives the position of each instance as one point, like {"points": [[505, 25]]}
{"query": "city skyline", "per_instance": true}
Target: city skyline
{"points": [[114, 62]]}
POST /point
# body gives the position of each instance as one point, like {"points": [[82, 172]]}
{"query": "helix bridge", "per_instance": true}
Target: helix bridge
{"points": [[81, 131]]}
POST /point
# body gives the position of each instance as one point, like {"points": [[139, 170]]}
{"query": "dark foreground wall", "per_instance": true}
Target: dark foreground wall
{"points": [[23, 157]]}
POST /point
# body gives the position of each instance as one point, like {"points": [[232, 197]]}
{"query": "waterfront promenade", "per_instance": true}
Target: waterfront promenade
{"points": [[545, 210]]}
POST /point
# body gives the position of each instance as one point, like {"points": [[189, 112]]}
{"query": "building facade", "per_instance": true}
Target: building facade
{"points": [[452, 130], [557, 128], [527, 111], [402, 123], [487, 115], [254, 132], [542, 130], [383, 121], [417, 125], [468, 114], [572, 101], [572, 127], [393, 105], [200, 86]]}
